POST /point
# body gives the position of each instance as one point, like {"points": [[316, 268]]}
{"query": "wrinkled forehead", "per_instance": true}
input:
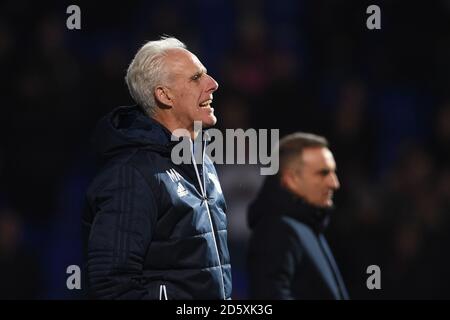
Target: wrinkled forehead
{"points": [[180, 61]]}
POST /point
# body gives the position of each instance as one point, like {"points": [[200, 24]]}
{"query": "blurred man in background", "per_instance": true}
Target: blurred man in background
{"points": [[156, 230], [289, 257]]}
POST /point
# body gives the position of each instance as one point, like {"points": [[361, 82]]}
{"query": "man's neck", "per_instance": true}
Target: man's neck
{"points": [[175, 127]]}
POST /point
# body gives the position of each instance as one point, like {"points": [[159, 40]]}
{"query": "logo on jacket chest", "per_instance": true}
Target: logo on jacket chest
{"points": [[175, 177]]}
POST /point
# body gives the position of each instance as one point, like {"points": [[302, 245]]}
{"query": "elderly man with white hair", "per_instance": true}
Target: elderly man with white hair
{"points": [[155, 229]]}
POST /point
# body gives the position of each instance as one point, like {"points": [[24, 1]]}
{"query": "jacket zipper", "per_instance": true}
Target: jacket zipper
{"points": [[203, 191]]}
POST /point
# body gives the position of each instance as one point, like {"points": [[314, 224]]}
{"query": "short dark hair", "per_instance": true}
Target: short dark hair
{"points": [[292, 146]]}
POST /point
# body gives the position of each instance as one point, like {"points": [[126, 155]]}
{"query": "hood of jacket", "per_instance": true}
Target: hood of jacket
{"points": [[129, 127], [273, 200]]}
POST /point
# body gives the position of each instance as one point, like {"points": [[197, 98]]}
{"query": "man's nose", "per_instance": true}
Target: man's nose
{"points": [[334, 182], [212, 84]]}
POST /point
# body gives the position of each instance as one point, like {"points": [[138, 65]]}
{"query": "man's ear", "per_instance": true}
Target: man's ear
{"points": [[163, 96]]}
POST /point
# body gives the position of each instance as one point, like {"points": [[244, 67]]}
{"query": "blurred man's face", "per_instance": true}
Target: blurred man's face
{"points": [[190, 89], [314, 177]]}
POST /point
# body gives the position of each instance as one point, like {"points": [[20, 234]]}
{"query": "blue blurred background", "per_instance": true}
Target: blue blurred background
{"points": [[382, 98]]}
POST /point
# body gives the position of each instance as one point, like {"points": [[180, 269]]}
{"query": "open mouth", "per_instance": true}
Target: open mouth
{"points": [[206, 103]]}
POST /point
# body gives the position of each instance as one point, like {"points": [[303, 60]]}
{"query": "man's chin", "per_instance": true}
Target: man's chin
{"points": [[328, 204], [209, 121]]}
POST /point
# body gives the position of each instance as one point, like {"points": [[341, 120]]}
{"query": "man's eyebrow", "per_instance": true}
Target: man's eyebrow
{"points": [[196, 75], [199, 73], [324, 171]]}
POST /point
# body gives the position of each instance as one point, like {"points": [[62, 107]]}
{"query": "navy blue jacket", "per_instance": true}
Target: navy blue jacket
{"points": [[288, 255], [153, 229]]}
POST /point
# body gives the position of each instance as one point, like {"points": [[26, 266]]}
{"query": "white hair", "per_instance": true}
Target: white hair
{"points": [[146, 71]]}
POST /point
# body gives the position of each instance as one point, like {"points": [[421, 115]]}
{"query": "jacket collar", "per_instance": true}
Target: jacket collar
{"points": [[273, 199], [317, 218]]}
